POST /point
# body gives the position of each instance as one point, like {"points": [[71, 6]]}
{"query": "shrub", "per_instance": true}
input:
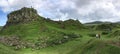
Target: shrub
{"points": [[73, 35], [92, 35], [105, 32]]}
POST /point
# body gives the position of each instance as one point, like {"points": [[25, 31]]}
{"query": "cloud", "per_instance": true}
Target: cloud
{"points": [[84, 10]]}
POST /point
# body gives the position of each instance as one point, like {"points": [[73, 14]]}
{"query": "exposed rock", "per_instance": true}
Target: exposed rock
{"points": [[13, 41], [22, 15]]}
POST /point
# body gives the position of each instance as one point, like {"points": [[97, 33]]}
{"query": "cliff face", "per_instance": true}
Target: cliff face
{"points": [[22, 15]]}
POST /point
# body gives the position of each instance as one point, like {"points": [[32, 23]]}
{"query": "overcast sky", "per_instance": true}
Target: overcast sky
{"points": [[83, 10]]}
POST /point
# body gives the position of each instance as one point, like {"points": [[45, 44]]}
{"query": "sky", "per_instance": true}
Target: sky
{"points": [[83, 10]]}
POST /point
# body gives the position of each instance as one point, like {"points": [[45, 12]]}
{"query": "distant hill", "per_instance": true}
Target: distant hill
{"points": [[98, 22], [105, 27], [95, 22], [117, 22]]}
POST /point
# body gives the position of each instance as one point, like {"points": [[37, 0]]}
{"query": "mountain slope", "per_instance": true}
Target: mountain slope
{"points": [[29, 27]]}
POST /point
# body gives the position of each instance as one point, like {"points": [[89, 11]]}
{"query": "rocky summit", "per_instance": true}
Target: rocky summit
{"points": [[23, 15]]}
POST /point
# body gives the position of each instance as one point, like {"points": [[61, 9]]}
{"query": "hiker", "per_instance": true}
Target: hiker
{"points": [[97, 35]]}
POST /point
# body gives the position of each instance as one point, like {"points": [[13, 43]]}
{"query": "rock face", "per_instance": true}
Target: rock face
{"points": [[22, 15]]}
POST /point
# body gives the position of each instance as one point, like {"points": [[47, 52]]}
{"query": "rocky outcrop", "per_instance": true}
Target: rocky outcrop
{"points": [[18, 43], [22, 15]]}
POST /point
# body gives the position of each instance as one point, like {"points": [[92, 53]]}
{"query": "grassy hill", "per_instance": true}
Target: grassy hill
{"points": [[28, 33], [41, 32]]}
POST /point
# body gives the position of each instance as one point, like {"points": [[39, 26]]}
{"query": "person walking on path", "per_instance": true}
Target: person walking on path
{"points": [[98, 35]]}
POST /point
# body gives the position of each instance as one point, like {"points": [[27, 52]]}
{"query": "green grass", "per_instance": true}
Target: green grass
{"points": [[96, 47], [6, 50], [59, 49], [1, 27], [82, 45]]}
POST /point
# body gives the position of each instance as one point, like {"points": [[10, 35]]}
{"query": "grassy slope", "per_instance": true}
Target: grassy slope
{"points": [[97, 47], [60, 49], [82, 45], [6, 50], [32, 32], [0, 27]]}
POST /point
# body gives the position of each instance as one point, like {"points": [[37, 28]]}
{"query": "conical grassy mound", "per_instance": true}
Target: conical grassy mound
{"points": [[104, 27], [115, 33]]}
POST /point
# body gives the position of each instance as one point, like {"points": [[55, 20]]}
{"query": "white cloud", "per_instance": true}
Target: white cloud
{"points": [[84, 10]]}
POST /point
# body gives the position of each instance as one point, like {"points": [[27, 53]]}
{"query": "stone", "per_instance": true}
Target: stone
{"points": [[22, 16]]}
